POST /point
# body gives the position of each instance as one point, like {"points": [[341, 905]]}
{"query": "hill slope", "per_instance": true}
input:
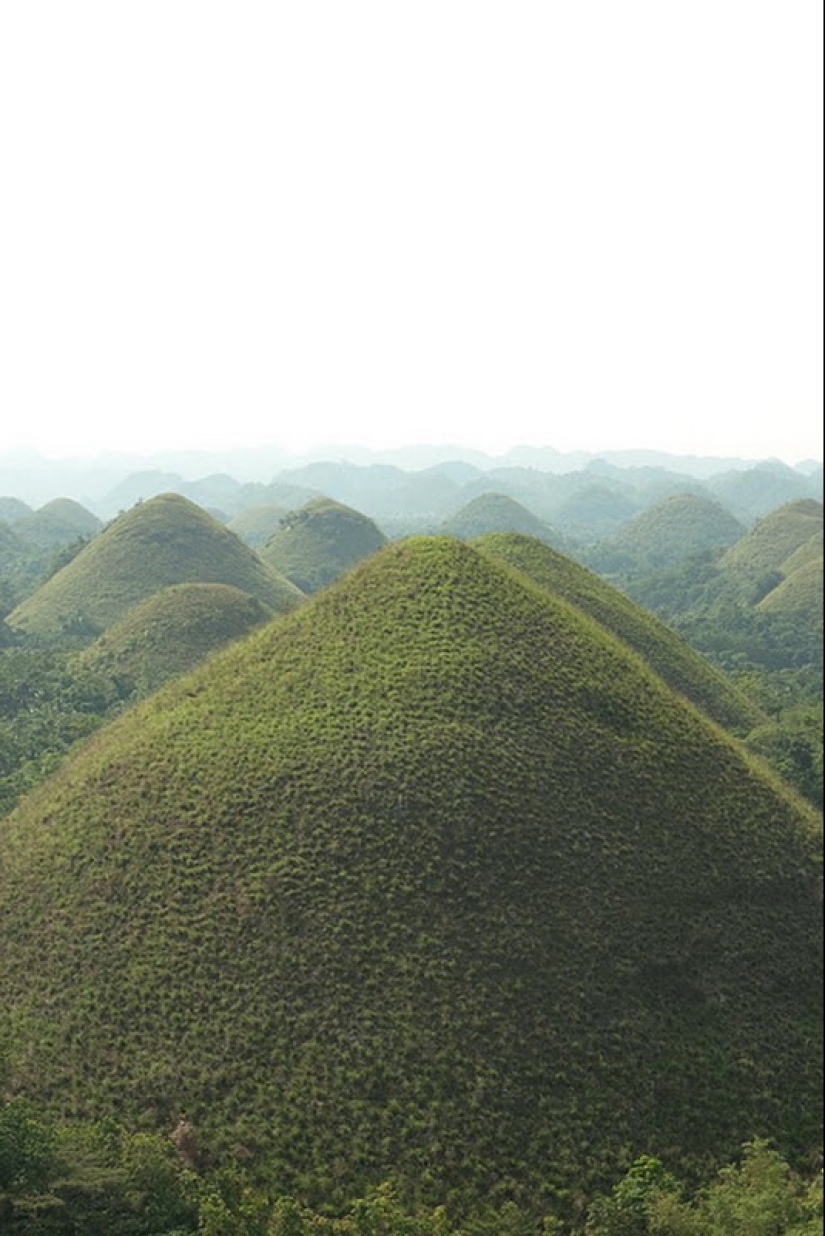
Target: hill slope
{"points": [[171, 632], [676, 528], [493, 512], [317, 544], [59, 523], [800, 595], [774, 539], [683, 669], [430, 880], [257, 524], [167, 540]]}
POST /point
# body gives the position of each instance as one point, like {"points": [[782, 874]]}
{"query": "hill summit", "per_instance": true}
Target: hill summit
{"points": [[318, 543], [431, 880], [167, 540]]}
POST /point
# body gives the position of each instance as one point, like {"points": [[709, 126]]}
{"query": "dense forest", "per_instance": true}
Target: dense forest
{"points": [[445, 885]]}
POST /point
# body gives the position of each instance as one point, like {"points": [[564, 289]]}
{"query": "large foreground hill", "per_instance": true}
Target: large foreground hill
{"points": [[431, 879]]}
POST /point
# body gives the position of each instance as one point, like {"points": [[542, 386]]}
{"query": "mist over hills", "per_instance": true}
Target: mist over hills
{"points": [[430, 879]]}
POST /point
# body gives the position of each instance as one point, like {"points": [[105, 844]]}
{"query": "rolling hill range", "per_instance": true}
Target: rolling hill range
{"points": [[317, 544], [666, 653], [431, 880], [167, 540], [171, 632]]}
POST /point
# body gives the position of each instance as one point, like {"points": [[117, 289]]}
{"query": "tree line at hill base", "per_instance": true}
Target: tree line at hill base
{"points": [[100, 1180]]}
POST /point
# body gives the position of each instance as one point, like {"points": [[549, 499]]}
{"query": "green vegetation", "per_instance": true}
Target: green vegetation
{"points": [[799, 594], [490, 513], [258, 523], [665, 652], [59, 523], [170, 633], [320, 542], [432, 883], [167, 540], [674, 529], [772, 541]]}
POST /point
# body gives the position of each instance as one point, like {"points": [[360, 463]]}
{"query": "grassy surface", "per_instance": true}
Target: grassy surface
{"points": [[317, 544], [498, 513], [675, 661], [774, 539], [167, 540], [799, 595], [258, 523], [171, 632], [59, 523], [677, 528], [430, 880]]}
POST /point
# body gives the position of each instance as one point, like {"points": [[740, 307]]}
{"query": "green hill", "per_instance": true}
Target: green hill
{"points": [[683, 669], [432, 880], [58, 523], [171, 632], [492, 512], [774, 539], [809, 551], [167, 540], [12, 549], [800, 594], [677, 528], [596, 509], [320, 542], [12, 510], [257, 524]]}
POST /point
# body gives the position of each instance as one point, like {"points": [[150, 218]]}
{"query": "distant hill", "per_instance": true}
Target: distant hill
{"points": [[755, 492], [171, 632], [595, 510], [12, 510], [167, 540], [675, 529], [683, 669], [800, 593], [494, 512], [774, 539], [58, 523], [12, 549], [257, 524], [430, 881], [315, 545]]}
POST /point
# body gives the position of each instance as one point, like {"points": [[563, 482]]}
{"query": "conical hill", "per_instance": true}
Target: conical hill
{"points": [[320, 542], [491, 512], [676, 528], [773, 539], [171, 632], [432, 880], [167, 540], [799, 595], [58, 523], [675, 661]]}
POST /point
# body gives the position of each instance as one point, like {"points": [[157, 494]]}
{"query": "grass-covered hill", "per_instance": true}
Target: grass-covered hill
{"points": [[493, 512], [167, 540], [800, 594], [58, 523], [12, 549], [170, 632], [773, 539], [431, 880], [681, 667], [258, 523], [594, 510], [677, 528], [318, 543]]}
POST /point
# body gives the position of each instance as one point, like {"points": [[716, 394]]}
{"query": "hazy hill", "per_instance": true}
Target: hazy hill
{"points": [[432, 880], [257, 524], [58, 523], [493, 512], [594, 510], [677, 528], [167, 540], [12, 510], [774, 539], [171, 632], [666, 653], [754, 492], [315, 545], [12, 549]]}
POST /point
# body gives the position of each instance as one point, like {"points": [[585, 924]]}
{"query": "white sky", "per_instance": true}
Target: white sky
{"points": [[579, 223]]}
